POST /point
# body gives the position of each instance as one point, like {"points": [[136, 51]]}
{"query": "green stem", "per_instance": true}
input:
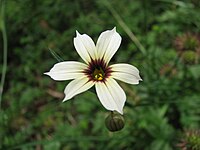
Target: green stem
{"points": [[5, 47]]}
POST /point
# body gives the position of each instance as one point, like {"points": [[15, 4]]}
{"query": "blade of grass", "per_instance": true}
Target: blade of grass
{"points": [[55, 55], [5, 47], [125, 27]]}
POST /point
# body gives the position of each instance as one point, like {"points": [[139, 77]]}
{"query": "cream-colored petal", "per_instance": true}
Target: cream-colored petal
{"points": [[126, 73], [117, 93], [127, 68], [67, 70], [125, 77], [85, 47], [107, 44], [111, 95], [77, 86]]}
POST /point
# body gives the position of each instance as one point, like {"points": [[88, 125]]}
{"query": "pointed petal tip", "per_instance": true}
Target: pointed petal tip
{"points": [[114, 29], [120, 111], [117, 110], [65, 99], [77, 33], [140, 79], [47, 73]]}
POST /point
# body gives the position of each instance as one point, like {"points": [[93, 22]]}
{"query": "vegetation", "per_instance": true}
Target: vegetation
{"points": [[160, 37]]}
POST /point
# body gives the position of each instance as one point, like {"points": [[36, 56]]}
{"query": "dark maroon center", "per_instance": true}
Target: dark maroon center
{"points": [[97, 70]]}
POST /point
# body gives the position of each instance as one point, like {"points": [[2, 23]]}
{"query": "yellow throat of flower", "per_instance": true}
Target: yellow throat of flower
{"points": [[98, 74]]}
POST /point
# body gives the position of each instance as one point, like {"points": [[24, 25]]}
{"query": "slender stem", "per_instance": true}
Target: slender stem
{"points": [[125, 27], [5, 47]]}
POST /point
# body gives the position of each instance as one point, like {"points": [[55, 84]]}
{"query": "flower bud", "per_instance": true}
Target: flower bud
{"points": [[190, 140], [189, 57], [114, 121]]}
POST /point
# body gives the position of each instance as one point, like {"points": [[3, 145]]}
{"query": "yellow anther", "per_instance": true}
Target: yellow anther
{"points": [[100, 78], [98, 75]]}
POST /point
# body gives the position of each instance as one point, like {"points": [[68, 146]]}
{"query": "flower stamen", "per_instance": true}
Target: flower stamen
{"points": [[98, 74]]}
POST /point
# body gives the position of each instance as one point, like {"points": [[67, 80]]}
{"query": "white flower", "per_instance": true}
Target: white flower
{"points": [[95, 70]]}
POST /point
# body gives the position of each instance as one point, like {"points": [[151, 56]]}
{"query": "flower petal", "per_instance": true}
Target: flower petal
{"points": [[77, 86], [126, 73], [85, 47], [107, 44], [67, 70], [125, 68], [125, 77], [111, 95]]}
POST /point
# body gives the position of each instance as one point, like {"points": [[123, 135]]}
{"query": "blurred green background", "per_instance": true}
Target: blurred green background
{"points": [[161, 110]]}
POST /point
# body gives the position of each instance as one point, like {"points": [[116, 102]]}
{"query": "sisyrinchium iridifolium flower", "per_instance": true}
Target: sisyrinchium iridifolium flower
{"points": [[96, 71]]}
